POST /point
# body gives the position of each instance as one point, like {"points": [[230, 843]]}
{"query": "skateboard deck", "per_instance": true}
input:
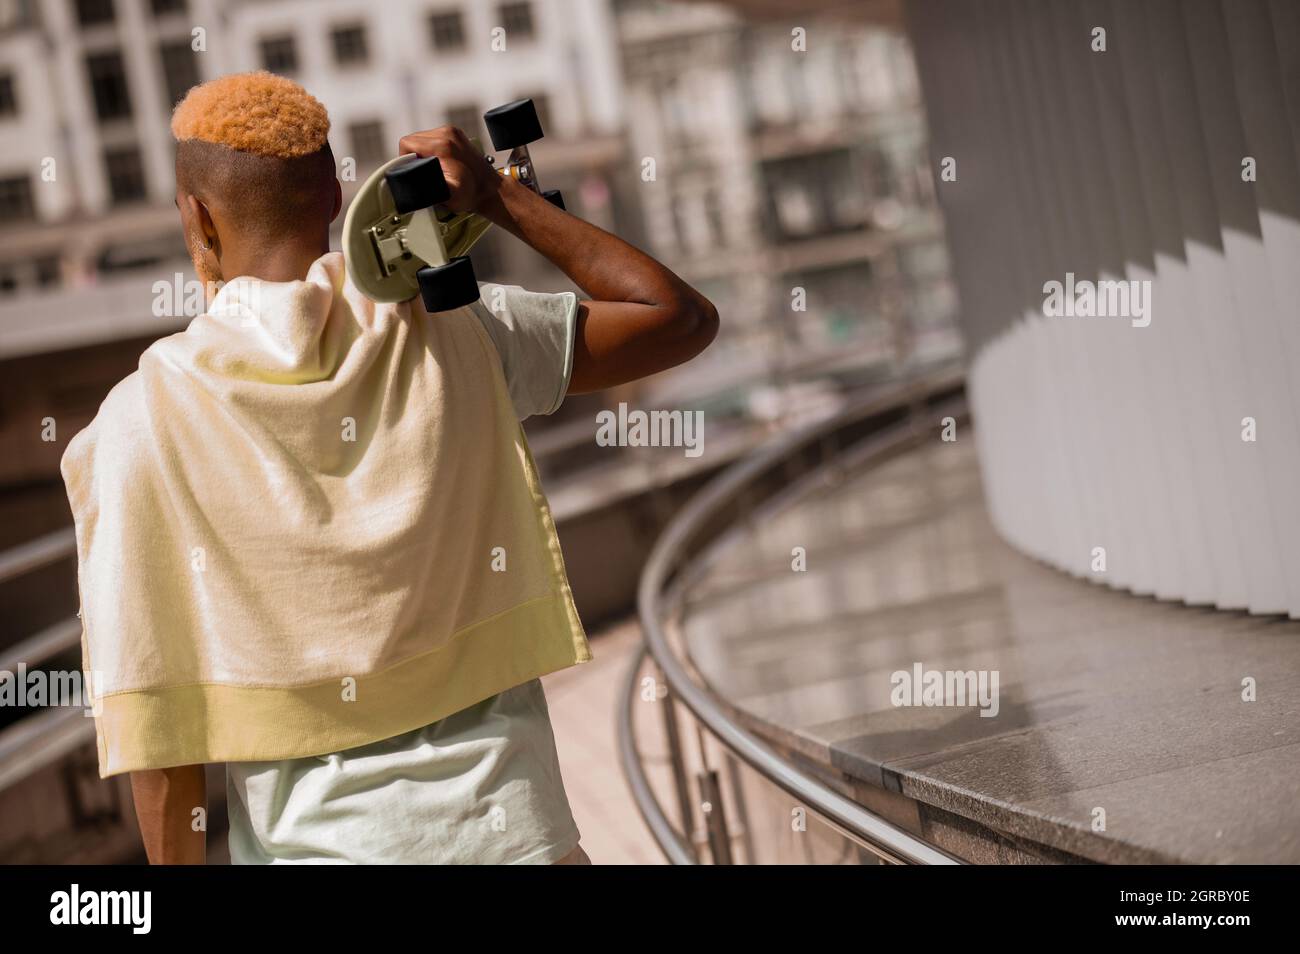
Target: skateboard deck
{"points": [[372, 209]]}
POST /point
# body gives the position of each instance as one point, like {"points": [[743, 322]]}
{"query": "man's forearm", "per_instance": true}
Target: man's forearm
{"points": [[641, 319], [165, 800], [604, 266]]}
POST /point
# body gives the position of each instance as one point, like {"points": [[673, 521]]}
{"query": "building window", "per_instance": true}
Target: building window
{"points": [[48, 271], [517, 18], [713, 215], [368, 144], [125, 172], [108, 86], [162, 8], [814, 194], [8, 98], [464, 117], [349, 45], [447, 30], [279, 54], [94, 12], [16, 14], [180, 69], [16, 199]]}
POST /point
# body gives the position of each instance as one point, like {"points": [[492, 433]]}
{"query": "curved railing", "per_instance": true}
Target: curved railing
{"points": [[48, 734], [871, 428]]}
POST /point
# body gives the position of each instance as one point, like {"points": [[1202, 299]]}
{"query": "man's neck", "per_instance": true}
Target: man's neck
{"points": [[282, 264]]}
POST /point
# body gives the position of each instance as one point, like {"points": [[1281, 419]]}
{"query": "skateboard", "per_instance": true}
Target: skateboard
{"points": [[399, 240]]}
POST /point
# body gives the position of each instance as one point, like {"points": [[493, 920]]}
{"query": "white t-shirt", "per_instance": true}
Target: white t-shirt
{"points": [[534, 334], [481, 786]]}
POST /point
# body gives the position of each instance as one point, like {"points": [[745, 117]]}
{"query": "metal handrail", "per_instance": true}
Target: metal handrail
{"points": [[885, 839], [20, 560], [48, 643], [37, 553], [674, 846], [47, 735]]}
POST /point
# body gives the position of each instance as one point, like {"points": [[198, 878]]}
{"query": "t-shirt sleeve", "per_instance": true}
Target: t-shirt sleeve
{"points": [[534, 334]]}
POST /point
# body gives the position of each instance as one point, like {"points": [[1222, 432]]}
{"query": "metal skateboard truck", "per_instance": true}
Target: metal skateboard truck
{"points": [[398, 238]]}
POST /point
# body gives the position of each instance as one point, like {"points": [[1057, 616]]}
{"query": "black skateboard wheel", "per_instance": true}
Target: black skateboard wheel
{"points": [[417, 185], [514, 124], [553, 196], [444, 287]]}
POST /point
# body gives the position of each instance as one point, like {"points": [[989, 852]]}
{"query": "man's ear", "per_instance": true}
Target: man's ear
{"points": [[338, 200], [201, 221]]}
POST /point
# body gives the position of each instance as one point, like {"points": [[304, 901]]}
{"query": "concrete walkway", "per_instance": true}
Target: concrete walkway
{"points": [[583, 701]]}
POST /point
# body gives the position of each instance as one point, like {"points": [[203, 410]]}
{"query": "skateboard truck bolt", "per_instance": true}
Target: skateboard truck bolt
{"points": [[420, 235]]}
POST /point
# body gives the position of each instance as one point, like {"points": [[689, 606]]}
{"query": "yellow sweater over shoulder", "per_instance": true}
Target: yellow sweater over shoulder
{"points": [[288, 522]]}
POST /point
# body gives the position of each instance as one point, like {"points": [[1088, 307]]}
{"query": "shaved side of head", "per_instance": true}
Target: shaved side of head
{"points": [[269, 196]]}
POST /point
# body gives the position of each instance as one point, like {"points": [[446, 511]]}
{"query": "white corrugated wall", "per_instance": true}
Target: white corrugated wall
{"points": [[1099, 435]]}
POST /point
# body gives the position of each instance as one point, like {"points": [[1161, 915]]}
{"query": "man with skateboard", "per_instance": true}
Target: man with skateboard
{"points": [[311, 540]]}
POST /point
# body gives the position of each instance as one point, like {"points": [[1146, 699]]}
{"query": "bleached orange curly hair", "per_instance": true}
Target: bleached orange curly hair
{"points": [[258, 113]]}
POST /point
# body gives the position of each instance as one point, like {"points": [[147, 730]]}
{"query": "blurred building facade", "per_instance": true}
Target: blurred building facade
{"points": [[779, 167], [787, 182], [790, 179]]}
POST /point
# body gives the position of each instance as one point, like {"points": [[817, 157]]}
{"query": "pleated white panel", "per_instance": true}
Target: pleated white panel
{"points": [[1125, 165]]}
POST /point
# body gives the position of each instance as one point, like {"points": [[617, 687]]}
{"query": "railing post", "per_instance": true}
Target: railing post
{"points": [[738, 799], [715, 817], [680, 782]]}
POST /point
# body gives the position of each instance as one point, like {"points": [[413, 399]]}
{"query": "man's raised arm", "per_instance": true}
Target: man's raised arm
{"points": [[641, 318]]}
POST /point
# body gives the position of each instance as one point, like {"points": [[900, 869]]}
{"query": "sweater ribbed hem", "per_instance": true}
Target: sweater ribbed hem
{"points": [[213, 722]]}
